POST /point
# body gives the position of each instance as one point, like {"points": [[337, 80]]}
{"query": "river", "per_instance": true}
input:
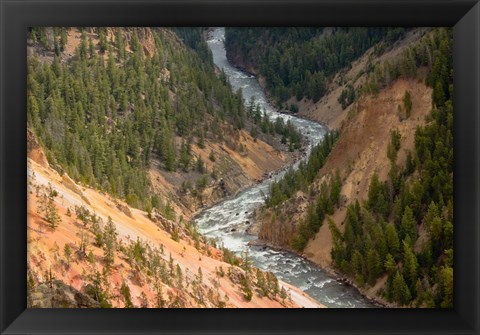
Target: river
{"points": [[227, 221]]}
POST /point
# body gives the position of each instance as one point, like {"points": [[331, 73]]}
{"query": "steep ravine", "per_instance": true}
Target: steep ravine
{"points": [[88, 248], [56, 280], [229, 220]]}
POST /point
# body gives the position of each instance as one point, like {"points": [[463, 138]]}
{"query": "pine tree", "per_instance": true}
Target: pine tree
{"points": [[109, 242], [48, 208], [390, 265], [446, 287], [408, 225], [96, 291], [102, 40], [407, 102], [377, 200], [393, 241], [63, 38], [433, 223], [185, 157], [127, 298], [179, 276], [246, 261], [401, 293], [420, 293], [374, 266], [410, 265], [67, 251]]}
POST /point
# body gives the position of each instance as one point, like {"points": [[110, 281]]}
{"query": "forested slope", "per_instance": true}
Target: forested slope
{"points": [[301, 61], [126, 126], [380, 209], [138, 114], [87, 249]]}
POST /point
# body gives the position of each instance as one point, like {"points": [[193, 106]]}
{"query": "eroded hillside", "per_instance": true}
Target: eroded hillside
{"points": [[379, 211], [136, 113], [361, 151], [130, 133], [358, 154], [88, 249]]}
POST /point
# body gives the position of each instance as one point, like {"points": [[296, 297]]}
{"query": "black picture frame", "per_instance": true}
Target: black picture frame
{"points": [[17, 15]]}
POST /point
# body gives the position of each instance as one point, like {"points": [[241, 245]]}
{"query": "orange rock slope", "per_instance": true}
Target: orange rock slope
{"points": [[156, 262]]}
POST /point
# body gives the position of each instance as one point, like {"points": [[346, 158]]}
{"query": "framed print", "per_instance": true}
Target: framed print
{"points": [[239, 167]]}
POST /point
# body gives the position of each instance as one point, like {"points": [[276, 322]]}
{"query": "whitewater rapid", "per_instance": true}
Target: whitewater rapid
{"points": [[228, 221]]}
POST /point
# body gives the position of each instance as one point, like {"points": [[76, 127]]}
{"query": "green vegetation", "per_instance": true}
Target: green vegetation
{"points": [[326, 202], [103, 114], [434, 52], [67, 252], [347, 96], [99, 289], [290, 135], [403, 232], [125, 97], [300, 61], [109, 242], [300, 179], [381, 236], [146, 261], [47, 208], [127, 298]]}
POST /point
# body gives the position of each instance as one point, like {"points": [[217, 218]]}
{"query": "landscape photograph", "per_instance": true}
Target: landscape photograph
{"points": [[240, 167]]}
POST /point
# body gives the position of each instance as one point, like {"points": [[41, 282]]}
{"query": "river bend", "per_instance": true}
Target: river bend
{"points": [[227, 221]]}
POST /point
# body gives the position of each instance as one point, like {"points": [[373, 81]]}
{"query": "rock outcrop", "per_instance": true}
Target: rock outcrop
{"points": [[57, 294]]}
